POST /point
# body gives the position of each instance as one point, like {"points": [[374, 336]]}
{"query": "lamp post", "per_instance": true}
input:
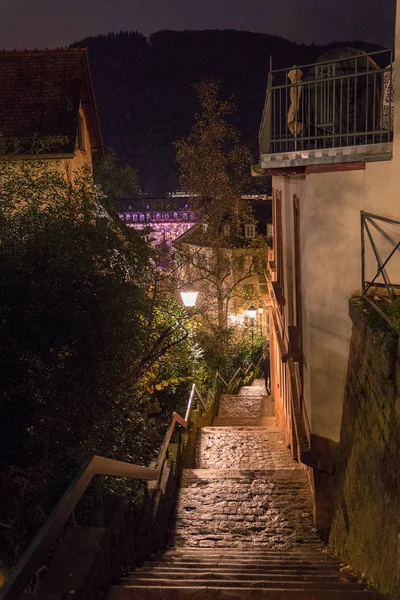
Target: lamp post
{"points": [[260, 312], [252, 313], [189, 295]]}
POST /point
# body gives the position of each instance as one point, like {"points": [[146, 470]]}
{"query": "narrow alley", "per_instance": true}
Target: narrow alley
{"points": [[243, 524]]}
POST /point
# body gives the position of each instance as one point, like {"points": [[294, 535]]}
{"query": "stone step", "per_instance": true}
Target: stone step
{"points": [[242, 448], [238, 593], [311, 559], [269, 427], [242, 565], [304, 554], [269, 509], [253, 389], [249, 405], [273, 475], [249, 583], [281, 578], [241, 572], [266, 422]]}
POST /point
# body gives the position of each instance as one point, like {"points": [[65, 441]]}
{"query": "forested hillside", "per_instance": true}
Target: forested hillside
{"points": [[145, 96]]}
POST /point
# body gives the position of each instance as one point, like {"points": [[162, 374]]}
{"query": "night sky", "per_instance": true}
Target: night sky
{"points": [[54, 23]]}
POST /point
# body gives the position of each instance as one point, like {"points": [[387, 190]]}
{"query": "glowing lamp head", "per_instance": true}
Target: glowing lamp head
{"points": [[252, 312], [189, 295], [260, 310]]}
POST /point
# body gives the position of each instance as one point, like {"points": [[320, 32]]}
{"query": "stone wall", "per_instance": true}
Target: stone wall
{"points": [[366, 523]]}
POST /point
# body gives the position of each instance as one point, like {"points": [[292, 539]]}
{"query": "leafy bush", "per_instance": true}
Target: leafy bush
{"points": [[80, 330], [227, 349]]}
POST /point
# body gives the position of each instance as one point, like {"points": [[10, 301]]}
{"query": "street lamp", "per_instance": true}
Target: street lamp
{"points": [[260, 312], [189, 295], [252, 313]]}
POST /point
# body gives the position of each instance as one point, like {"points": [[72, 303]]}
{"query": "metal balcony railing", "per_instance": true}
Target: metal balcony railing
{"points": [[345, 101]]}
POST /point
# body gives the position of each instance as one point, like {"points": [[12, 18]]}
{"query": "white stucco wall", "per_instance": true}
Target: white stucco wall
{"points": [[330, 205], [330, 248]]}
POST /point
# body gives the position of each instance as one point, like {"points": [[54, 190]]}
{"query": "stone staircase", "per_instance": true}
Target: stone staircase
{"points": [[243, 524]]}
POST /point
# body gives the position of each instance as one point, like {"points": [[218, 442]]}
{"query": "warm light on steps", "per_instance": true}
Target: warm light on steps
{"points": [[246, 570]]}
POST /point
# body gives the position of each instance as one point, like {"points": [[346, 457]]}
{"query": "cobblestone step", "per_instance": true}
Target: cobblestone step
{"points": [[270, 426], [254, 582], [301, 553], [241, 566], [249, 475], [258, 386], [243, 525], [177, 592], [272, 575], [241, 406], [243, 448], [265, 422], [309, 554]]}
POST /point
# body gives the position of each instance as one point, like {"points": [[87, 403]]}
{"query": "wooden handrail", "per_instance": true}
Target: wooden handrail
{"points": [[218, 376], [232, 379], [33, 557], [31, 560]]}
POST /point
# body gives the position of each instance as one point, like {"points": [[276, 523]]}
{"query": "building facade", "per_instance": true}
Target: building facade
{"points": [[166, 218], [48, 109], [333, 151], [228, 269]]}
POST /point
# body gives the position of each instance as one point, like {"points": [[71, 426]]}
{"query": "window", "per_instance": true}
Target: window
{"points": [[249, 231], [297, 261], [278, 235]]}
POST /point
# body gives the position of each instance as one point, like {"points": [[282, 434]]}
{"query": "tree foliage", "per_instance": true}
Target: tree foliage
{"points": [[215, 168], [214, 164], [81, 327], [115, 179]]}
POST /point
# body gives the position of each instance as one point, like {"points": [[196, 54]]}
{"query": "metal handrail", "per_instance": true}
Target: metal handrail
{"points": [[367, 220], [24, 570]]}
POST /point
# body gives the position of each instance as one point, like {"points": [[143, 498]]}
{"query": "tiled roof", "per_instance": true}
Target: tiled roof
{"points": [[40, 93]]}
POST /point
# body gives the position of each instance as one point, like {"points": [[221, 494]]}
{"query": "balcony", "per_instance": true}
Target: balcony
{"points": [[337, 110]]}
